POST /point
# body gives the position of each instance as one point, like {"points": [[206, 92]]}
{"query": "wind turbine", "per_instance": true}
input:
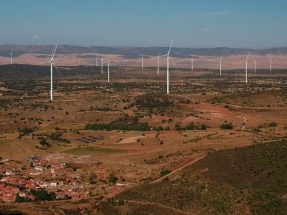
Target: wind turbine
{"points": [[246, 67], [143, 60], [108, 62], [102, 61], [192, 63], [96, 59], [158, 57], [271, 64], [11, 57], [51, 61], [220, 65], [255, 65], [108, 69], [167, 67]]}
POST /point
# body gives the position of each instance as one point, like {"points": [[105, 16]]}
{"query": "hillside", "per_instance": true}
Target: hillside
{"points": [[134, 52], [248, 180]]}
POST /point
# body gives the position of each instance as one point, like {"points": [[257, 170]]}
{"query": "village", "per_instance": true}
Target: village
{"points": [[40, 181], [16, 184]]}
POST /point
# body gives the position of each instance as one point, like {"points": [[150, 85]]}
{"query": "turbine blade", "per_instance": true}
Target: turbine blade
{"points": [[56, 68], [44, 62], [54, 52], [170, 47], [173, 63], [247, 56]]}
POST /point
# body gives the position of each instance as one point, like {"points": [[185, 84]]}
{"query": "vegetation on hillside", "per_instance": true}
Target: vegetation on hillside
{"points": [[247, 180]]}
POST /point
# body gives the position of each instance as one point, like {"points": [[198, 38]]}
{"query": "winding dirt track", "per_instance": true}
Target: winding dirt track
{"points": [[243, 117], [177, 170], [175, 211]]}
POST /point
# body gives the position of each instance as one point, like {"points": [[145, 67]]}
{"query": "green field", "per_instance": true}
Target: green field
{"points": [[92, 150]]}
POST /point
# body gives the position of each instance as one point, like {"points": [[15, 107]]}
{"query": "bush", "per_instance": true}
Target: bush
{"points": [[203, 127], [121, 202], [26, 130], [226, 126], [118, 126], [190, 127], [43, 141], [273, 124], [165, 172], [43, 195], [112, 178]]}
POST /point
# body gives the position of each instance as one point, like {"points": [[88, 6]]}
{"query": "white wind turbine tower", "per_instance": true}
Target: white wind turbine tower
{"points": [[52, 64], [142, 60], [271, 64], [167, 67], [102, 61], [109, 69], [220, 65], [192, 63], [108, 62], [11, 57], [246, 67], [96, 59], [158, 57], [255, 65]]}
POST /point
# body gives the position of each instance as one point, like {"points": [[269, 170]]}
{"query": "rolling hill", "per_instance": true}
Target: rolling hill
{"points": [[248, 180], [134, 52]]}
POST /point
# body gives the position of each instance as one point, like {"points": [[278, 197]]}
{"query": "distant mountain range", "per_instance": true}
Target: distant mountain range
{"points": [[135, 52]]}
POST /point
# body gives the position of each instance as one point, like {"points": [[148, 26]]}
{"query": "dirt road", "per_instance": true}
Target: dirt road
{"points": [[177, 170]]}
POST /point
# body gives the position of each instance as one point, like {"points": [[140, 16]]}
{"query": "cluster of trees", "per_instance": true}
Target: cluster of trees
{"points": [[153, 102], [226, 126], [165, 172], [56, 136], [119, 126], [190, 126], [112, 178], [273, 124], [40, 195], [24, 131], [43, 141]]}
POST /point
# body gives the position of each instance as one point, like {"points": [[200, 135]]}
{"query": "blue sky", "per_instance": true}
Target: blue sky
{"points": [[192, 23]]}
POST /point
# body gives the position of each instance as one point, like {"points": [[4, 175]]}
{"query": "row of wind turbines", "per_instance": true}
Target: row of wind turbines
{"points": [[192, 65], [52, 64], [168, 58]]}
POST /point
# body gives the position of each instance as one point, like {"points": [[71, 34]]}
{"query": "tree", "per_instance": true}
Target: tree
{"points": [[226, 126], [43, 195], [165, 172], [273, 124], [26, 130], [203, 127], [44, 142], [112, 178]]}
